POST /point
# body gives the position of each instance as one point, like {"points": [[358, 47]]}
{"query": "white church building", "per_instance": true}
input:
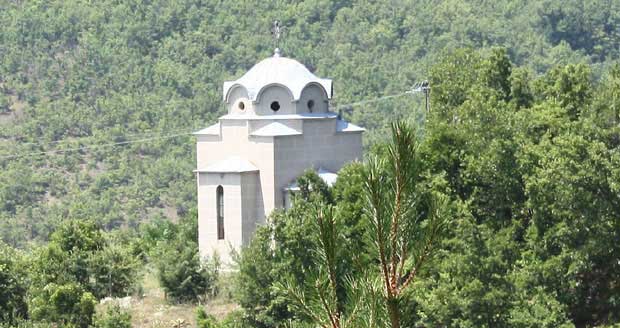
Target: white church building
{"points": [[278, 125]]}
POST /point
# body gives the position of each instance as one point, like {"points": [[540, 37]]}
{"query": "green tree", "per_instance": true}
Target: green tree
{"points": [[67, 304], [13, 285], [4, 103], [181, 272], [283, 246], [405, 222], [404, 233], [115, 271], [113, 317], [204, 320]]}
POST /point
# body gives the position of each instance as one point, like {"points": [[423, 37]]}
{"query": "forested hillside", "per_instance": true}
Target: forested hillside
{"points": [[79, 73], [507, 207]]}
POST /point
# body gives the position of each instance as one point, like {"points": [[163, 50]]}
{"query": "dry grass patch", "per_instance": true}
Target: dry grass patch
{"points": [[152, 310]]}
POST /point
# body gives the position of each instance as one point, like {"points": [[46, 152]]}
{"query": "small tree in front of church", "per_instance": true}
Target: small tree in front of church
{"points": [[183, 275]]}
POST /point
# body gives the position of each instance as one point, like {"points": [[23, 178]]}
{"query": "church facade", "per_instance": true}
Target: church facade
{"points": [[278, 125]]}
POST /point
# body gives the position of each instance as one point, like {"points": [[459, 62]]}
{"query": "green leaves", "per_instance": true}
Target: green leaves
{"points": [[13, 285], [184, 276], [67, 304]]}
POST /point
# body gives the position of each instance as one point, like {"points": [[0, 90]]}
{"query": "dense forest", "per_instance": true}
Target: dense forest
{"points": [[512, 197]]}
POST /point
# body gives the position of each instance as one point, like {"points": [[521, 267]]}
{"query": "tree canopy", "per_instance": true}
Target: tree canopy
{"points": [[97, 100]]}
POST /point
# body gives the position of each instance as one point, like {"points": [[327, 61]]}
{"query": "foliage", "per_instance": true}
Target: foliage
{"points": [[13, 286], [204, 320], [4, 104], [284, 244], [404, 233], [533, 170], [78, 266], [529, 165], [80, 253], [522, 140], [82, 74], [183, 275], [67, 304], [113, 317], [263, 305]]}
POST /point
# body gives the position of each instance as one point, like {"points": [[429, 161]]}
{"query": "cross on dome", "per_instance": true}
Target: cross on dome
{"points": [[277, 31]]}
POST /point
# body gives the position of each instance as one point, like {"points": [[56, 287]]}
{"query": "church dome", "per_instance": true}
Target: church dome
{"points": [[280, 71]]}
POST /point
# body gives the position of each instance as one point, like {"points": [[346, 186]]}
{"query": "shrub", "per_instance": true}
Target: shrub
{"points": [[204, 320], [183, 276], [113, 317]]}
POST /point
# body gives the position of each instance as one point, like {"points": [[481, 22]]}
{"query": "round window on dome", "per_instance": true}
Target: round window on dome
{"points": [[310, 105], [241, 105], [275, 106]]}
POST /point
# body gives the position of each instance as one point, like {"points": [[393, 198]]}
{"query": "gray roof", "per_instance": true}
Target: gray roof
{"points": [[213, 130], [344, 126], [230, 165], [281, 71], [328, 177], [275, 129], [328, 115]]}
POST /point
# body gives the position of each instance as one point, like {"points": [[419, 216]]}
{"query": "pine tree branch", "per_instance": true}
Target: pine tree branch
{"points": [[419, 261]]}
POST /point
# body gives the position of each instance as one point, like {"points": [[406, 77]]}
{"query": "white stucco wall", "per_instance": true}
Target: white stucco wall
{"points": [[234, 141], [320, 146], [240, 212], [315, 93], [251, 196], [207, 212], [273, 93], [236, 96], [252, 210]]}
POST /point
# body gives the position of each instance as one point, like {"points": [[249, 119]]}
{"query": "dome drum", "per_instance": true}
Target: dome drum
{"points": [[278, 85]]}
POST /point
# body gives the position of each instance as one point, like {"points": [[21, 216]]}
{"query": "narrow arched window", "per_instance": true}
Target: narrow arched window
{"points": [[220, 212]]}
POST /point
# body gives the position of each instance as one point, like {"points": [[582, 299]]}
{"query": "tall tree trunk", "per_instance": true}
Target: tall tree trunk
{"points": [[393, 311]]}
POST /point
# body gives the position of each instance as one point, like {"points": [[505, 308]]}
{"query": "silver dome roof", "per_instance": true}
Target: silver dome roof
{"points": [[280, 71]]}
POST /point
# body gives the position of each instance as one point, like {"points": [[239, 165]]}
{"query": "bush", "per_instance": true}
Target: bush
{"points": [[183, 276], [4, 104], [113, 317], [204, 320], [12, 286], [115, 271], [67, 304]]}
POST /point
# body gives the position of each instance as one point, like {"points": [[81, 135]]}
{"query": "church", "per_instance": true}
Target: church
{"points": [[278, 125]]}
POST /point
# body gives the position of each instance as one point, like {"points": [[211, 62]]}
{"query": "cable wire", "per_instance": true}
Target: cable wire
{"points": [[161, 137], [96, 146]]}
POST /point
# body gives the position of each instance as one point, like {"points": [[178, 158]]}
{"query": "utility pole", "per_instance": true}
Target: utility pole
{"points": [[425, 87]]}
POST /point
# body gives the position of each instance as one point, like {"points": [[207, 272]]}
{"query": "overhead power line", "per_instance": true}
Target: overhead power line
{"points": [[173, 134], [56, 151]]}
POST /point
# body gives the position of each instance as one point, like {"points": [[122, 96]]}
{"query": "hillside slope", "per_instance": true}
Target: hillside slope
{"points": [[78, 74]]}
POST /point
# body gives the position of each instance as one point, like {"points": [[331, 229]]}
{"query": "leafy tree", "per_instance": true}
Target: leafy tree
{"points": [[204, 320], [570, 87], [4, 103], [282, 246], [115, 271], [13, 286], [67, 304], [74, 270], [263, 305], [78, 252], [113, 317], [182, 274]]}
